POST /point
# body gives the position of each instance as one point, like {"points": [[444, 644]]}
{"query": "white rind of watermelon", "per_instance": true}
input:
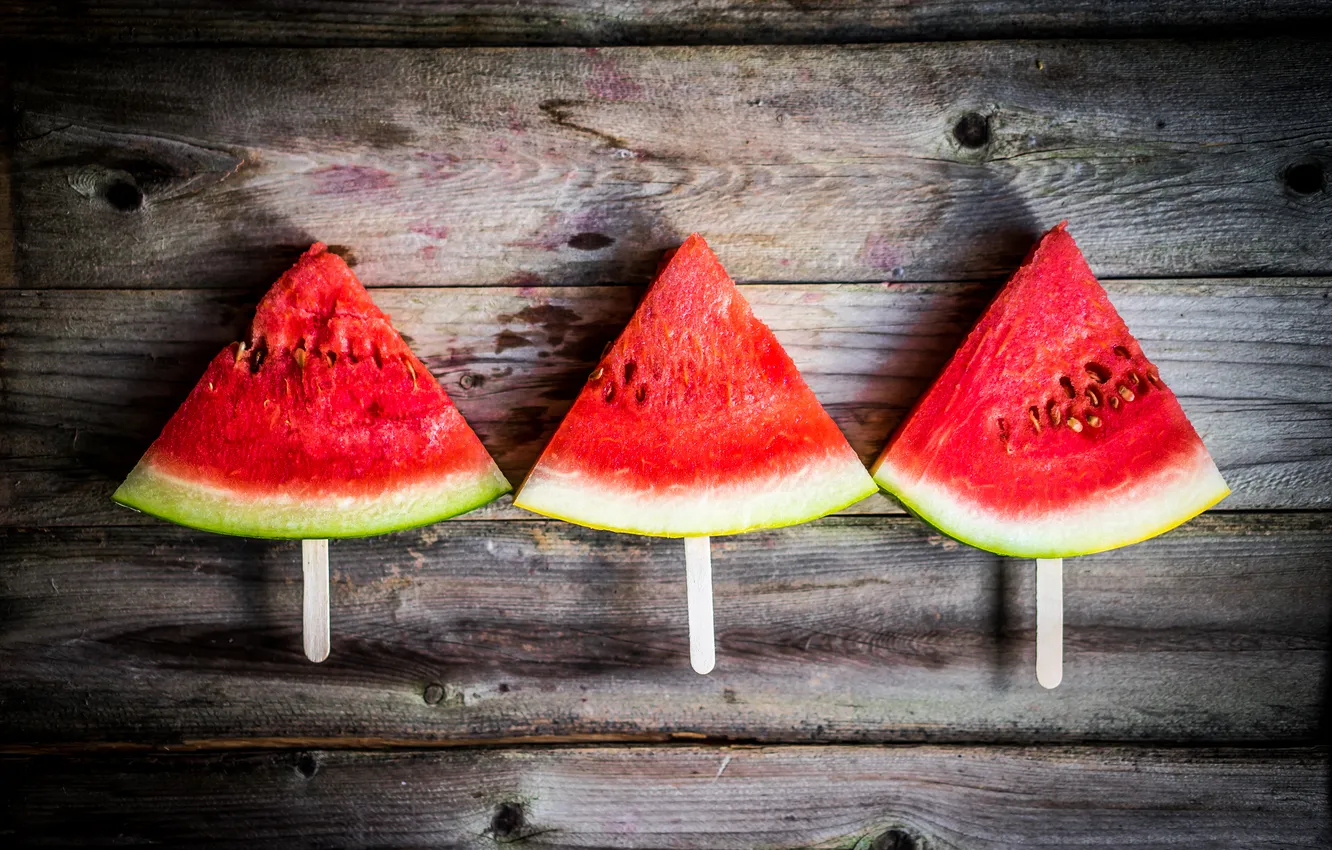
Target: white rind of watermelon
{"points": [[1149, 506], [154, 490], [699, 510]]}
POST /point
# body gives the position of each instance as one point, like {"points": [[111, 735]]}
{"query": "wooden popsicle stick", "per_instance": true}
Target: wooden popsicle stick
{"points": [[698, 584], [1049, 621], [314, 560]]}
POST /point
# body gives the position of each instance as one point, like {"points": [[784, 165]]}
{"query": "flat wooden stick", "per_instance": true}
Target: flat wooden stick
{"points": [[314, 560], [1049, 621], [698, 584]]}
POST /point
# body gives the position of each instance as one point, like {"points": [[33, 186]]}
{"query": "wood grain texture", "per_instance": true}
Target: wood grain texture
{"points": [[6, 201], [578, 22], [920, 162], [88, 378], [864, 629], [831, 797]]}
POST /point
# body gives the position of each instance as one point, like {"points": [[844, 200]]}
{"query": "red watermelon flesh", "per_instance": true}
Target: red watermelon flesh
{"points": [[323, 424], [1049, 433], [695, 422]]}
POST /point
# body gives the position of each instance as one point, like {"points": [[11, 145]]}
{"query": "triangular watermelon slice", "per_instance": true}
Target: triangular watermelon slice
{"points": [[1050, 434], [323, 424], [695, 423]]}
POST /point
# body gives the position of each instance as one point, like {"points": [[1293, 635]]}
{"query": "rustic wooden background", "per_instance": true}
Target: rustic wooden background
{"points": [[870, 177]]}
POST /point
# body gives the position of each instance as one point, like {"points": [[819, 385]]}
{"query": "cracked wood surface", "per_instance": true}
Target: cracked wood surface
{"points": [[919, 162]]}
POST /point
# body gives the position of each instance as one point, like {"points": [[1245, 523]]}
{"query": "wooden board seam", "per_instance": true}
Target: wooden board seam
{"points": [[680, 740]]}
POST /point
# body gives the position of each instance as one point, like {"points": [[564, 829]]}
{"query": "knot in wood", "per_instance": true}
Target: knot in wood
{"points": [[434, 692], [972, 131], [895, 839], [1305, 178], [590, 241], [124, 196], [508, 820], [307, 765]]}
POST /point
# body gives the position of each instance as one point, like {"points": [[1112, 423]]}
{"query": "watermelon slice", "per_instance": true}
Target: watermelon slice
{"points": [[324, 424], [1050, 434], [695, 423]]}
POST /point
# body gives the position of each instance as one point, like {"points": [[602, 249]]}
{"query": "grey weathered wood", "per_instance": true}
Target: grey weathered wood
{"points": [[856, 798], [6, 201], [844, 630], [89, 378], [204, 168], [577, 22]]}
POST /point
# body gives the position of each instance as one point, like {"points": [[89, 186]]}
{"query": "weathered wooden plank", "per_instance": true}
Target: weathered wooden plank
{"points": [[204, 168], [574, 22], [844, 630], [846, 797], [6, 198], [89, 377]]}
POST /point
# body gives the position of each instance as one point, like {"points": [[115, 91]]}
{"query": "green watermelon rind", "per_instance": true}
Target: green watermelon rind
{"points": [[1103, 522], [276, 517], [753, 504]]}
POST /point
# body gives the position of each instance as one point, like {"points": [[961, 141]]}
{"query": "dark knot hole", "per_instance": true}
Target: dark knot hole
{"points": [[508, 820], [895, 839], [124, 196], [308, 765], [1305, 178], [972, 130]]}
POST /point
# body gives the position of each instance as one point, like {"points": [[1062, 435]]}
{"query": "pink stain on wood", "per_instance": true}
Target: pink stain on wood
{"points": [[607, 82], [434, 231], [345, 179], [549, 235], [429, 252], [525, 279], [881, 253], [438, 166]]}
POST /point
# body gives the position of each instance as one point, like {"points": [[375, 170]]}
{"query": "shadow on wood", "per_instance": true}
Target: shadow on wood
{"points": [[90, 377]]}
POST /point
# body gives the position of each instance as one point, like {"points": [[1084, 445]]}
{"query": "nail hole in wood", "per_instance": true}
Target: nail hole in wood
{"points": [[1305, 178], [124, 196], [508, 820], [972, 130], [307, 765]]}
